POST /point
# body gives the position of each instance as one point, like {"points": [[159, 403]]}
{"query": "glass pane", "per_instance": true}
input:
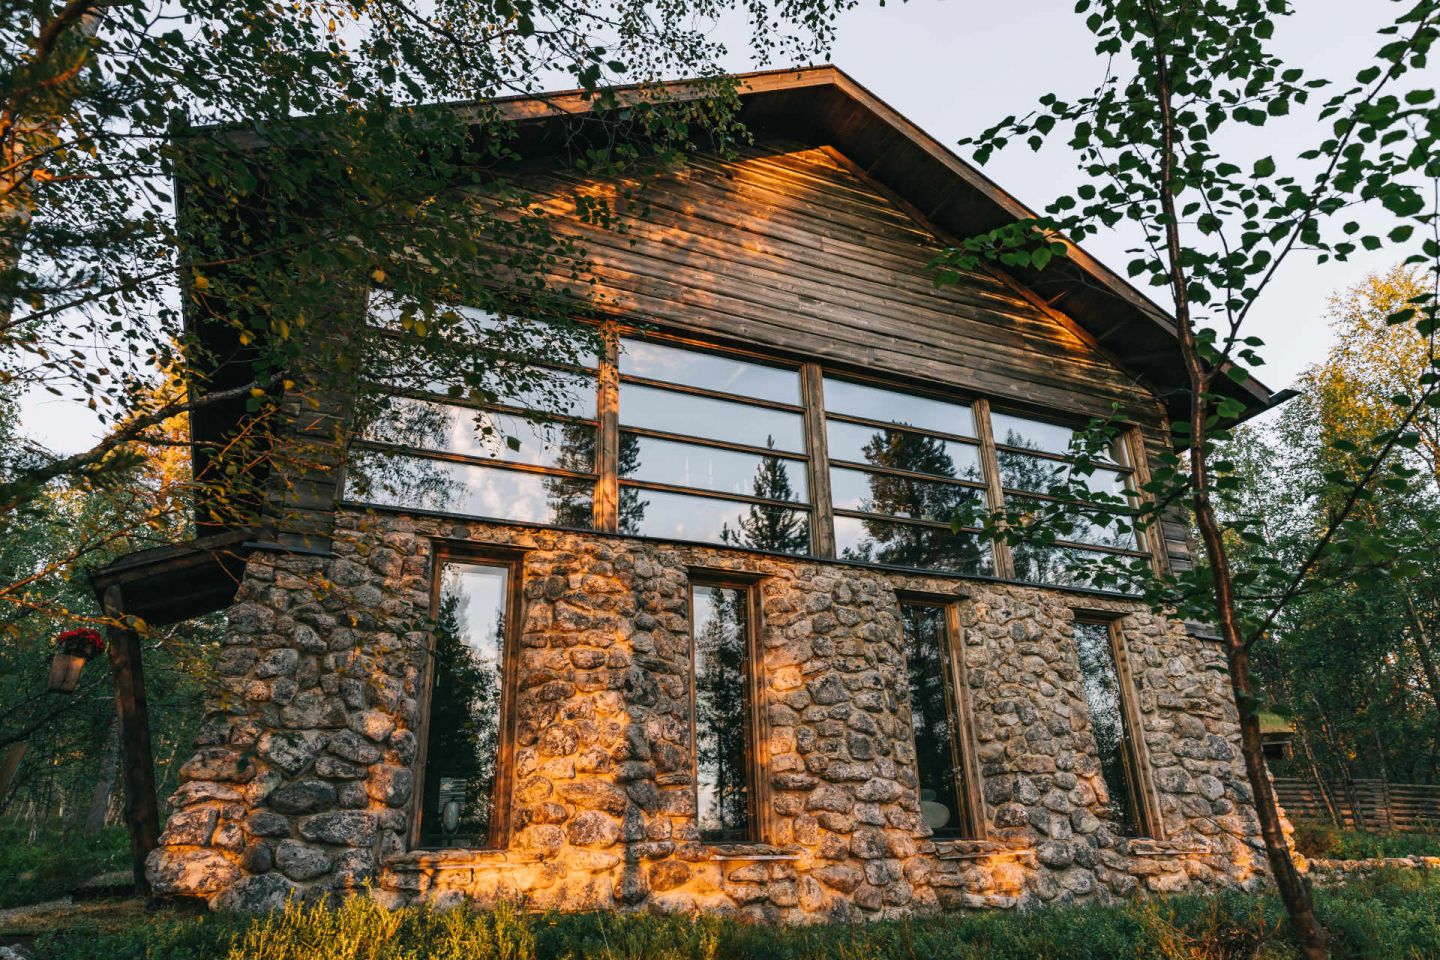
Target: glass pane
{"points": [[481, 433], [902, 496], [423, 484], [713, 419], [1073, 523], [1101, 683], [907, 409], [910, 545], [1024, 472], [1064, 566], [709, 371], [556, 340], [676, 516], [559, 392], [463, 739], [1016, 431], [902, 450], [722, 777], [689, 465], [923, 630]]}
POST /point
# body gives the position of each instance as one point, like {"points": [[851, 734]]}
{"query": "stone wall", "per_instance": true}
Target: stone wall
{"points": [[304, 776]]}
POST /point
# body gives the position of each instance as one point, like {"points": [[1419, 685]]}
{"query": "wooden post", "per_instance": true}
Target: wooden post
{"points": [[142, 812]]}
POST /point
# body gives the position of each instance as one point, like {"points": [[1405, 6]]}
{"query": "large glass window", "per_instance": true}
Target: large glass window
{"points": [[720, 619], [465, 728], [712, 448], [901, 467], [656, 437], [525, 450], [1035, 462], [934, 714], [1101, 685]]}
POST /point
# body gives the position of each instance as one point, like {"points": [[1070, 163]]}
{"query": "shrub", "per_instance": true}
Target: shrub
{"points": [[1392, 916], [55, 862], [1325, 841]]}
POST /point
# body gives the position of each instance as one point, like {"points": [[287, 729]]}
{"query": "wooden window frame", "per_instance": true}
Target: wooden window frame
{"points": [[964, 761], [513, 560], [1135, 754], [814, 458], [757, 734]]}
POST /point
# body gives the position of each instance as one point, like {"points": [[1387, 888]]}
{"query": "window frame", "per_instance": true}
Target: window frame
{"points": [[802, 457], [757, 738], [512, 559], [965, 764], [1135, 756], [818, 510]]}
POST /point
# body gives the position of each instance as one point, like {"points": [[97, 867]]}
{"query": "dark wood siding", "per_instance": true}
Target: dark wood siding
{"points": [[793, 249]]}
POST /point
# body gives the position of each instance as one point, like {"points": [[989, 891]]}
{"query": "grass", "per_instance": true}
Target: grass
{"points": [[1324, 841], [1390, 916], [55, 862]]}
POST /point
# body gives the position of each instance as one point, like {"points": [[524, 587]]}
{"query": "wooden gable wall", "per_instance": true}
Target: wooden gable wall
{"points": [[792, 249]]}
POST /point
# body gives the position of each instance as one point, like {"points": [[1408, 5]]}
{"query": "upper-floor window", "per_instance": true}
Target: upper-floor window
{"points": [[901, 465], [711, 448], [665, 438], [1034, 458]]}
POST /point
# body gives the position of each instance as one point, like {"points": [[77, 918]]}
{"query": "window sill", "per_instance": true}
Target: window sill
{"points": [[1150, 847], [747, 851], [456, 859], [980, 850]]}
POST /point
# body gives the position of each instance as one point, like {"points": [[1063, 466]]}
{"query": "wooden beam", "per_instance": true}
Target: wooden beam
{"points": [[142, 810]]}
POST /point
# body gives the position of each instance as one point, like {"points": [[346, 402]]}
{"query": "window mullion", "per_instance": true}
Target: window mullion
{"points": [[607, 466], [994, 489], [822, 523]]}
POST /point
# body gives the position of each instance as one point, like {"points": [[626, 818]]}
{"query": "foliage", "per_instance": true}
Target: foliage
{"points": [[1211, 228], [53, 863], [1324, 841], [1391, 916]]}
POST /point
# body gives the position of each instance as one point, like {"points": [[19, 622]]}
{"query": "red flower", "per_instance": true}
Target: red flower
{"points": [[82, 642]]}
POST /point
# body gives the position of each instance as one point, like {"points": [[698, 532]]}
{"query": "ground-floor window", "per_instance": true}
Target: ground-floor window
{"points": [[464, 793], [947, 803], [1105, 695], [721, 617]]}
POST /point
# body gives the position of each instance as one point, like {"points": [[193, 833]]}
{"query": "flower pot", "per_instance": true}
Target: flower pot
{"points": [[65, 672]]}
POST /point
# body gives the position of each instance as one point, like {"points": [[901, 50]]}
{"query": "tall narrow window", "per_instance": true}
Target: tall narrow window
{"points": [[465, 733], [945, 803], [1104, 695], [720, 619]]}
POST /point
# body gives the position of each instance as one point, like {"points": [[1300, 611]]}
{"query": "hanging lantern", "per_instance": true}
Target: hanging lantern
{"points": [[72, 649]]}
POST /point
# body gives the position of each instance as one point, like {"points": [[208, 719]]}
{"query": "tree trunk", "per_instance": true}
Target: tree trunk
{"points": [[13, 755], [105, 782], [1421, 638]]}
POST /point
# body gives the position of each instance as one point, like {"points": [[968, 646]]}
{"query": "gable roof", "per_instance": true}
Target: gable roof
{"points": [[823, 106]]}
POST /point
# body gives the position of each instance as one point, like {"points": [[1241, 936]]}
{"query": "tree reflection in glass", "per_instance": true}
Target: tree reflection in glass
{"points": [[466, 696], [1100, 683], [720, 621], [765, 527], [941, 801]]}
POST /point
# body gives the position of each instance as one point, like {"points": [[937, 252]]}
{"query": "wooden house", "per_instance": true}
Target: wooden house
{"points": [[709, 641]]}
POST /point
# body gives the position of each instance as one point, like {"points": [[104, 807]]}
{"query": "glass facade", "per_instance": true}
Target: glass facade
{"points": [[718, 447]]}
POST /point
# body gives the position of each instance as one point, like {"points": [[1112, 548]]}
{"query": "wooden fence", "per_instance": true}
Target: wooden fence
{"points": [[1362, 804]]}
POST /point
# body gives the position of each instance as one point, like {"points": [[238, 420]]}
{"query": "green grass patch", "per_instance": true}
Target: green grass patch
{"points": [[1323, 840], [55, 862], [1392, 916]]}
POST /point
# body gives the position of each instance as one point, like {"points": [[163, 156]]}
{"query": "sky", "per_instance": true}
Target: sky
{"points": [[955, 67]]}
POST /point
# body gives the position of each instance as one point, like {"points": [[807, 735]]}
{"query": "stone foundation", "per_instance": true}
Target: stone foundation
{"points": [[304, 777]]}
